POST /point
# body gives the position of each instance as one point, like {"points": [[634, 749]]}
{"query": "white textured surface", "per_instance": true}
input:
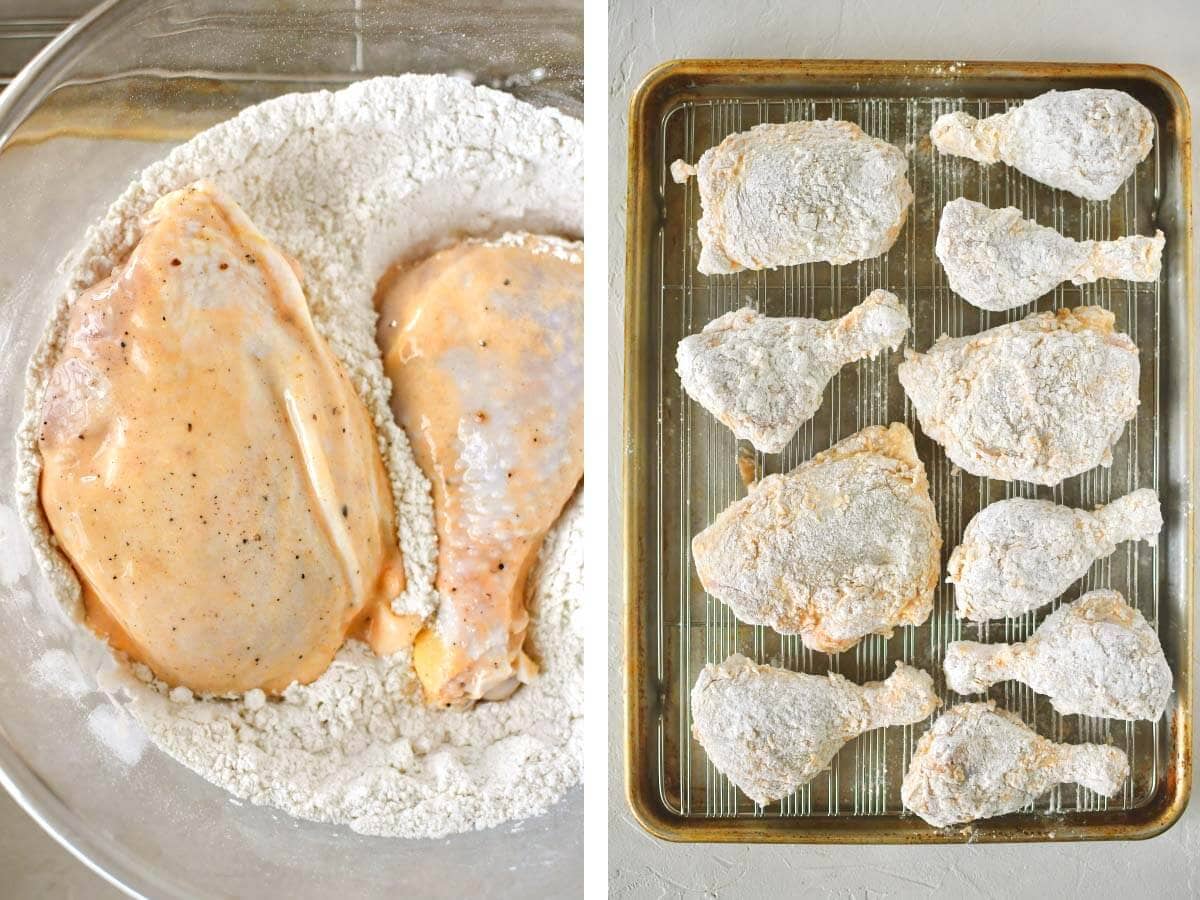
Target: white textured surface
{"points": [[642, 36]]}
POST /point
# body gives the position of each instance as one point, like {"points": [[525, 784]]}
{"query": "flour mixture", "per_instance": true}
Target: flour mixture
{"points": [[348, 183]]}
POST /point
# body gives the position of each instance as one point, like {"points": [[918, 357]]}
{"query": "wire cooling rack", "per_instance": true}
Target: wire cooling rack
{"points": [[697, 472]]}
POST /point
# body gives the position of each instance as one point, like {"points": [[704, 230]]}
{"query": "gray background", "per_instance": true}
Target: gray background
{"points": [[643, 34]]}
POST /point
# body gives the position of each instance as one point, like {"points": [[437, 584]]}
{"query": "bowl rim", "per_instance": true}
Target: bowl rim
{"points": [[22, 95]]}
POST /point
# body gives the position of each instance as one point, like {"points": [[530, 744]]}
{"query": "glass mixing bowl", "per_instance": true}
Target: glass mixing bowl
{"points": [[115, 92]]}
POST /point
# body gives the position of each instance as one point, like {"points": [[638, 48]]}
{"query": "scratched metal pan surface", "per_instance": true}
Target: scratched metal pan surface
{"points": [[681, 466]]}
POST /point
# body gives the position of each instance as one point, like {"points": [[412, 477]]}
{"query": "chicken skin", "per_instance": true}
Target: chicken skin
{"points": [[1019, 554], [997, 260], [1097, 656], [483, 343], [208, 468]]}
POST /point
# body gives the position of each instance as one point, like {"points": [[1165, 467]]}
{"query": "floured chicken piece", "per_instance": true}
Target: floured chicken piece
{"points": [[1086, 142], [1017, 555], [843, 546], [208, 468], [764, 377], [798, 192], [483, 343], [996, 260], [977, 761], [772, 730], [1097, 656], [1038, 400]]}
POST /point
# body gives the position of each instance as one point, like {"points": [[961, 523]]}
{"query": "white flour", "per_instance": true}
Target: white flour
{"points": [[1037, 400], [1086, 142], [797, 192], [1019, 554], [347, 183], [859, 513], [1096, 656], [765, 376], [996, 259], [771, 730], [975, 762]]}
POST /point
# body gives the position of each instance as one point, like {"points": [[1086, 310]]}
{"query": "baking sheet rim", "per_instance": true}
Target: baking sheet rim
{"points": [[649, 811]]}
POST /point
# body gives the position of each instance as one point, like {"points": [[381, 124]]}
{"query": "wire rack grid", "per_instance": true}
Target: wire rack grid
{"points": [[698, 471]]}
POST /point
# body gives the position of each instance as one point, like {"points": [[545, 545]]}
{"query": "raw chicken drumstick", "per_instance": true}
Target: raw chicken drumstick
{"points": [[843, 546], [997, 260], [208, 467], [764, 377], [483, 343], [798, 192], [1086, 142], [1037, 400], [977, 761], [1095, 657], [771, 730], [1017, 555]]}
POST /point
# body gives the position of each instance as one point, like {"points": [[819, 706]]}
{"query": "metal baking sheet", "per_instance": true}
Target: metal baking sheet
{"points": [[681, 465]]}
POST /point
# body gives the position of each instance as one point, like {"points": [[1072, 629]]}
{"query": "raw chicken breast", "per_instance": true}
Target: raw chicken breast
{"points": [[207, 466]]}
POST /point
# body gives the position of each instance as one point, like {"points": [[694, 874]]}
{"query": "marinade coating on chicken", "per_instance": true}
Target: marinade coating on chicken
{"points": [[843, 546], [764, 377], [1037, 400], [1086, 141], [483, 343], [797, 192], [209, 469]]}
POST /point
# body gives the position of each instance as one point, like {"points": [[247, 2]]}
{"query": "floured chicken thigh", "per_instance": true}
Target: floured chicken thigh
{"points": [[483, 343], [1037, 400], [1097, 656], [1086, 142], [772, 730], [764, 377], [996, 260], [798, 192], [843, 546], [1017, 555], [977, 761], [207, 466]]}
